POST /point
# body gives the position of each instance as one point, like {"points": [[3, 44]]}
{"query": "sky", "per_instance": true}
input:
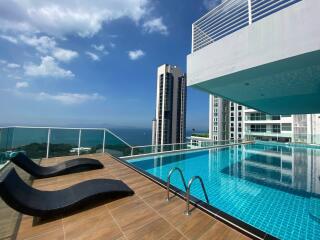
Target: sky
{"points": [[89, 63]]}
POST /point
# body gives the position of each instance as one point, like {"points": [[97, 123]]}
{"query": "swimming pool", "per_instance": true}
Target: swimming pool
{"points": [[271, 187]]}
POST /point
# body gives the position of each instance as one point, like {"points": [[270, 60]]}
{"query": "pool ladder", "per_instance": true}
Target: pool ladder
{"points": [[187, 188]]}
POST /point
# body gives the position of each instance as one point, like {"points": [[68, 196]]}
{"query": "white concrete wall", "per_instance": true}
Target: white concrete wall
{"points": [[287, 33]]}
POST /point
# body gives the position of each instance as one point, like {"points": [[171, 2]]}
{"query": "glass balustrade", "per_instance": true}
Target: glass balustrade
{"points": [[40, 143]]}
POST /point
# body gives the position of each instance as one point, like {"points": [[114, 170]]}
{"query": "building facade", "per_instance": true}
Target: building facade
{"points": [[231, 121], [225, 119], [255, 53], [169, 126], [302, 128]]}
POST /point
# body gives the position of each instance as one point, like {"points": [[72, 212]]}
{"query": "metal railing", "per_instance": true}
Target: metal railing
{"points": [[292, 137], [45, 142], [187, 188], [230, 16], [187, 212], [189, 145], [169, 180]]}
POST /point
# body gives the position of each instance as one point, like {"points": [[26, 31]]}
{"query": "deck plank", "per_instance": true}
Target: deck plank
{"points": [[146, 215]]}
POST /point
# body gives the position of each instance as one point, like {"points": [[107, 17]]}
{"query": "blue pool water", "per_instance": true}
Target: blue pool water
{"points": [[271, 187]]}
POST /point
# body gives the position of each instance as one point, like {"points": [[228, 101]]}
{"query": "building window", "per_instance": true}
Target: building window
{"points": [[258, 128], [286, 127], [276, 128], [257, 116], [276, 117]]}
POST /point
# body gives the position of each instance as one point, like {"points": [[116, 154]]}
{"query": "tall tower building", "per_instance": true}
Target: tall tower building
{"points": [[225, 119], [170, 123]]}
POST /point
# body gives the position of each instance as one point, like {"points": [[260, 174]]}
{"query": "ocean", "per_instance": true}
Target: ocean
{"points": [[133, 136], [22, 136], [138, 136]]}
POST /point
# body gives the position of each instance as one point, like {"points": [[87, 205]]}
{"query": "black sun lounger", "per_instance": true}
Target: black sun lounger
{"points": [[71, 166], [27, 200]]}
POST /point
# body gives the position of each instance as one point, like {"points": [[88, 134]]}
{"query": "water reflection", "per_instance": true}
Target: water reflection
{"points": [[296, 170]]}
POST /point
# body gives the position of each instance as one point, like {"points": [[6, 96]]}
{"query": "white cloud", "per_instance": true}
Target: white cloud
{"points": [[98, 47], [3, 61], [93, 56], [210, 4], [13, 76], [47, 68], [43, 44], [64, 55], [69, 98], [156, 25], [22, 84], [48, 45], [136, 54], [13, 65], [66, 98], [61, 18], [9, 38]]}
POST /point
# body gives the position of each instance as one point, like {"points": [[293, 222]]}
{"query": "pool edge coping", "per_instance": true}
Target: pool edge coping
{"points": [[239, 225], [182, 150]]}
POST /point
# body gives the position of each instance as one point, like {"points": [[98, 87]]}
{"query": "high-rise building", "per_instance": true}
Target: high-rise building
{"points": [[225, 119], [231, 121], [169, 125], [283, 128]]}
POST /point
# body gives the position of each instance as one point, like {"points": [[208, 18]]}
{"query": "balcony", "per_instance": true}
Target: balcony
{"points": [[261, 54]]}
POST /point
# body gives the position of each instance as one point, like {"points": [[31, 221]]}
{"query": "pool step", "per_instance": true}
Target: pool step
{"points": [[314, 209]]}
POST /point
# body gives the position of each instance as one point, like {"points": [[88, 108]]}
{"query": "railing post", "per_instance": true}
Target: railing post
{"points": [[79, 142], [249, 12], [192, 37], [104, 140], [48, 142]]}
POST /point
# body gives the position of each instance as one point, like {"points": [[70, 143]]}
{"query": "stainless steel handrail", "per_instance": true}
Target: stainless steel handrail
{"points": [[169, 177], [187, 212]]}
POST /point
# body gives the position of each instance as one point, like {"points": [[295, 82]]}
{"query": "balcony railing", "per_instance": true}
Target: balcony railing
{"points": [[192, 144], [45, 142], [230, 16], [313, 139]]}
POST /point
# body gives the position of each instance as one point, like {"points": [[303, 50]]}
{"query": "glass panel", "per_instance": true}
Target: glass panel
{"points": [[143, 150], [91, 141], [166, 148], [63, 142], [4, 145], [115, 146], [31, 141]]}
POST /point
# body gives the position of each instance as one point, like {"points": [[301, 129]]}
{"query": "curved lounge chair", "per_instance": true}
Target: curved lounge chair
{"points": [[71, 166], [27, 200]]}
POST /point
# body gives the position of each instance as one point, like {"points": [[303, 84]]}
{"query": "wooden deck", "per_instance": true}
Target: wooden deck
{"points": [[146, 215]]}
